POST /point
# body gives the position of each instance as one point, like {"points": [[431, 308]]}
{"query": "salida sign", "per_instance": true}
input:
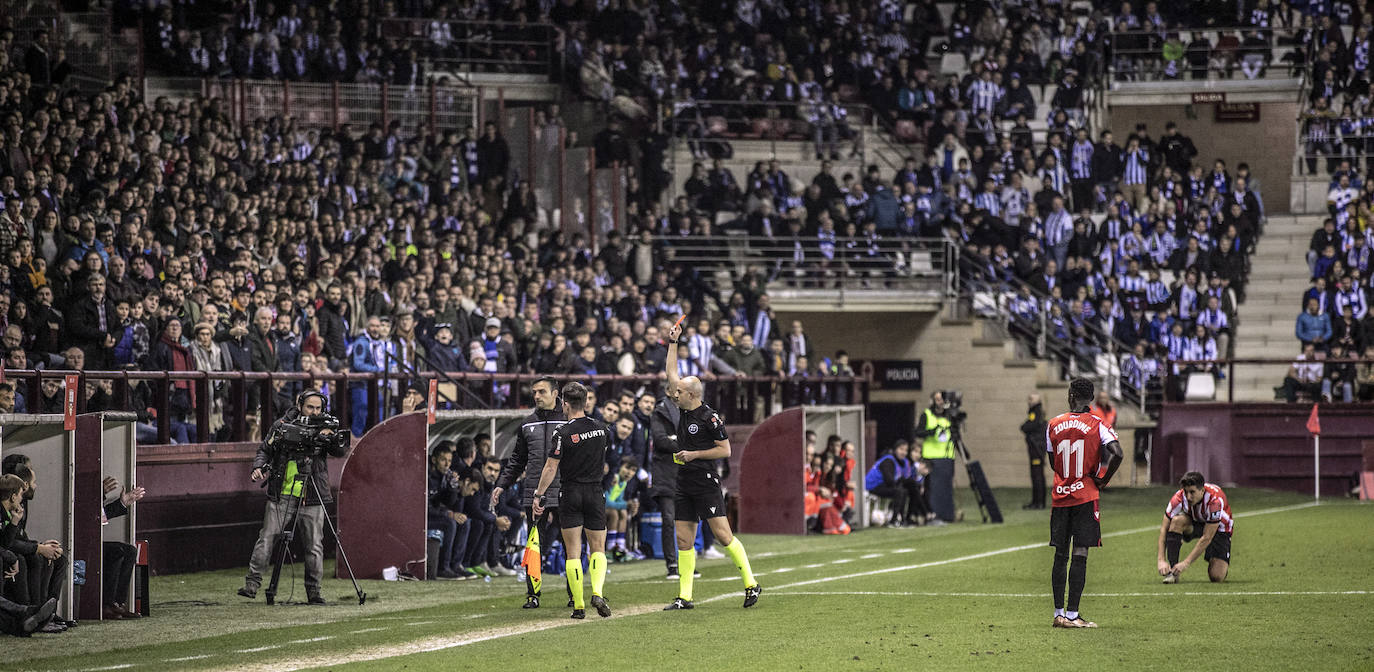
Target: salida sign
{"points": [[897, 374]]}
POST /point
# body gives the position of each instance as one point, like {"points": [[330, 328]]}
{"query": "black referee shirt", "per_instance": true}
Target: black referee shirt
{"points": [[580, 446], [699, 429]]}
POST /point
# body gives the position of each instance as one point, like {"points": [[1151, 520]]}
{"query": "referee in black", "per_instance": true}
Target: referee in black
{"points": [[578, 457], [701, 440]]}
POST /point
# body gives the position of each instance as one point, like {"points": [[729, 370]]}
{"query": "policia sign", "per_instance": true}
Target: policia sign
{"points": [[897, 374]]}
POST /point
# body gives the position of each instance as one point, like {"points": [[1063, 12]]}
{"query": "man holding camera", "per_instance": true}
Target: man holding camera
{"points": [[937, 450], [293, 460]]}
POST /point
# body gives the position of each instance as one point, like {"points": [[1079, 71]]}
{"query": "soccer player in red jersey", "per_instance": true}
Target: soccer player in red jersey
{"points": [[1198, 509], [1085, 454]]}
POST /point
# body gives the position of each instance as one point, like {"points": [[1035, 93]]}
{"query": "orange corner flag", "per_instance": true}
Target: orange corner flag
{"points": [[1314, 424]]}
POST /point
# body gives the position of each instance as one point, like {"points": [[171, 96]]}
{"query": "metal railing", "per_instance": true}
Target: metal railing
{"points": [[991, 299], [925, 265], [425, 108], [711, 123], [744, 399], [1175, 377], [464, 47], [1147, 55]]}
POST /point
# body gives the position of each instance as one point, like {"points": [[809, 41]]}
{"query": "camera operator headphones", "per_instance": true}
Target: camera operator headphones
{"points": [[304, 396]]}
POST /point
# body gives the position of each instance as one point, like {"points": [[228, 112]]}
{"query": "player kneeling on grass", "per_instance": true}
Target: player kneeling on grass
{"points": [[1085, 455], [1198, 509], [578, 456]]}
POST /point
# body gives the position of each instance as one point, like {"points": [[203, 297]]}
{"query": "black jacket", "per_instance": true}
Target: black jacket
{"points": [[318, 492], [1034, 430], [532, 445], [662, 468]]}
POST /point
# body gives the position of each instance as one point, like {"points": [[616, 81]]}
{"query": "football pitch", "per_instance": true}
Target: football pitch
{"points": [[1300, 596]]}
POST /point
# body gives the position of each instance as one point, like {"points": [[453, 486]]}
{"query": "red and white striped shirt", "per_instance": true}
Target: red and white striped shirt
{"points": [[1213, 508]]}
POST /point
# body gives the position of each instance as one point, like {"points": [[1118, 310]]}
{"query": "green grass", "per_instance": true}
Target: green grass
{"points": [[921, 602]]}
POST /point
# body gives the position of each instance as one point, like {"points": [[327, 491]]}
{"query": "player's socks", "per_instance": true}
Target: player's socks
{"points": [[598, 569], [686, 565], [1078, 576], [1058, 576], [736, 552], [1059, 612], [574, 566], [1071, 615], [1173, 541]]}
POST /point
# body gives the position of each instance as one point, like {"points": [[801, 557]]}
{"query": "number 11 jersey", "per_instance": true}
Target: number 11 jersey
{"points": [[1074, 443]]}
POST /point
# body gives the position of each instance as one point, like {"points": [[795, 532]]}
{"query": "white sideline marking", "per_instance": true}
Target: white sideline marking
{"points": [[443, 643], [419, 623], [359, 632], [110, 667], [870, 556], [841, 561], [815, 566], [1045, 595], [260, 648], [186, 658], [468, 618], [312, 639], [902, 550]]}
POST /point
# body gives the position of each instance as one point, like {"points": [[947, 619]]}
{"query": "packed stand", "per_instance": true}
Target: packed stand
{"points": [[1175, 41], [1337, 118], [1334, 325]]}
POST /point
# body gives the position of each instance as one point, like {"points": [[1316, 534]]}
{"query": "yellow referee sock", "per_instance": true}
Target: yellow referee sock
{"points": [[598, 568], [686, 566], [574, 566], [736, 551]]}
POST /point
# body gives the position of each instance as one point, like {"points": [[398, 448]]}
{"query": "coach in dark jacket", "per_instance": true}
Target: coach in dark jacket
{"points": [[91, 324], [525, 464], [663, 470]]}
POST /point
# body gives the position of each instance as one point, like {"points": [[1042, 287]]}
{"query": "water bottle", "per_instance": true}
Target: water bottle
{"points": [[486, 579]]}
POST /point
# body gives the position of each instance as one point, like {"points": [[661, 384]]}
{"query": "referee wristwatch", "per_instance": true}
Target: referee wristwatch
{"points": [[543, 500]]}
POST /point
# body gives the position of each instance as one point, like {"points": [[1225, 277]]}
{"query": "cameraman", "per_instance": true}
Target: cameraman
{"points": [[937, 450], [280, 458]]}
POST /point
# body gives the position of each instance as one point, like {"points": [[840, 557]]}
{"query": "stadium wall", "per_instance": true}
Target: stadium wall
{"points": [[1268, 144], [955, 354], [1259, 445]]}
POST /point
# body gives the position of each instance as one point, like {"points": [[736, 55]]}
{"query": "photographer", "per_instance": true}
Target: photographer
{"points": [[937, 450], [299, 443]]}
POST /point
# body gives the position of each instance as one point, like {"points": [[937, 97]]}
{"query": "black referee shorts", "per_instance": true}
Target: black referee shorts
{"points": [[581, 505], [1075, 526], [698, 497]]}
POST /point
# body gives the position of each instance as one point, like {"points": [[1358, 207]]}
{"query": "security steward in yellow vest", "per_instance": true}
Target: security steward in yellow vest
{"points": [[937, 451]]}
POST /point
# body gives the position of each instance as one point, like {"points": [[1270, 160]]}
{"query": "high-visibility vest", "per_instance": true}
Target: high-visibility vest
{"points": [[939, 444], [290, 486]]}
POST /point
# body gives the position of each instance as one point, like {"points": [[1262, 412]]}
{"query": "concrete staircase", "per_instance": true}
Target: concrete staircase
{"points": [[1278, 277]]}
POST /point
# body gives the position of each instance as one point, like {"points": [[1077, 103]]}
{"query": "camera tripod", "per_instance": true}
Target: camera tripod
{"points": [[282, 541], [987, 504]]}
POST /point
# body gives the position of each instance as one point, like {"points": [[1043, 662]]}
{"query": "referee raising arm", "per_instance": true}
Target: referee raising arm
{"points": [[701, 440], [578, 456]]}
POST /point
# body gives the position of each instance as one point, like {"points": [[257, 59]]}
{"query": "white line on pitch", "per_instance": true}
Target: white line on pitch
{"points": [[359, 632], [841, 561], [312, 639], [436, 644], [110, 667], [260, 648], [186, 658], [1044, 595], [870, 556], [420, 623], [902, 550]]}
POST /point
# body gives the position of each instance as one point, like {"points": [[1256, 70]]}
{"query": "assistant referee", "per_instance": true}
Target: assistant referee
{"points": [[578, 457], [701, 440]]}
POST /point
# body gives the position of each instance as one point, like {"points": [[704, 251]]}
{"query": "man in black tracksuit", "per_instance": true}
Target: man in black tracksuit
{"points": [[525, 464], [663, 475], [1034, 430]]}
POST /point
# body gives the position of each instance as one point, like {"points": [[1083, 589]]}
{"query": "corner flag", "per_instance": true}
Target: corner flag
{"points": [[1314, 424]]}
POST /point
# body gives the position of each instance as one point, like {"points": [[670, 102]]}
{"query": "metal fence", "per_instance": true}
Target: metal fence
{"points": [[1200, 54], [742, 399], [459, 48], [93, 48], [313, 105]]}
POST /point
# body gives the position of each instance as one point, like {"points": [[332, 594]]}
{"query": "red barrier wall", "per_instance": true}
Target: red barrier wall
{"points": [[772, 476], [1260, 445], [89, 496], [382, 499]]}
